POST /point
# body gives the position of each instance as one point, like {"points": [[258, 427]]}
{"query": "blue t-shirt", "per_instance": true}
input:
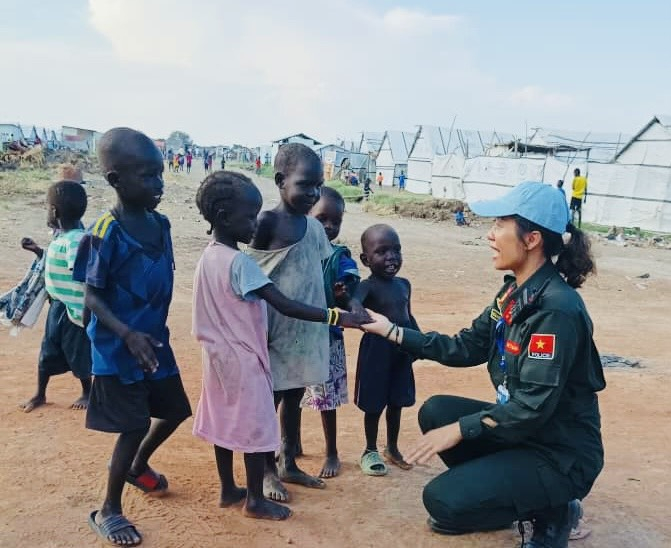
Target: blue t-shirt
{"points": [[401, 181], [137, 287]]}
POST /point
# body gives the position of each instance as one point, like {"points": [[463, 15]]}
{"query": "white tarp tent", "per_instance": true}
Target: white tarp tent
{"points": [[438, 154], [392, 158], [632, 196], [651, 146]]}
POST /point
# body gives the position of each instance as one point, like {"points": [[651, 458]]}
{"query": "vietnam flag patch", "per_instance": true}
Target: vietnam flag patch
{"points": [[541, 346]]}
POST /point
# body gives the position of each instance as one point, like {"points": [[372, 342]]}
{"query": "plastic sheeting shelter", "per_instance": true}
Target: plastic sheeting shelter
{"points": [[438, 154], [651, 146], [631, 196], [392, 158]]}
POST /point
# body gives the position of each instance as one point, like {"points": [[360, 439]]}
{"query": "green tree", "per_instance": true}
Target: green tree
{"points": [[177, 140]]}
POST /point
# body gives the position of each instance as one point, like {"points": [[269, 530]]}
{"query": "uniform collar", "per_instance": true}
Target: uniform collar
{"points": [[524, 296]]}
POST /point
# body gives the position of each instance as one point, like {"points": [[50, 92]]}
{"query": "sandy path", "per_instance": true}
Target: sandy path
{"points": [[52, 469]]}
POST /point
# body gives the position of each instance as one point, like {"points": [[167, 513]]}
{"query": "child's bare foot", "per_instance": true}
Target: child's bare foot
{"points": [[236, 495], [81, 403], [394, 456], [32, 403], [265, 509], [296, 475], [331, 467], [273, 488]]}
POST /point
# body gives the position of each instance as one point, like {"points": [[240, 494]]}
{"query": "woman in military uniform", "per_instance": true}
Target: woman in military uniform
{"points": [[538, 448]]}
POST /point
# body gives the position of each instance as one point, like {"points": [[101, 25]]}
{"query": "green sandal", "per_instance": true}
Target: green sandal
{"points": [[372, 464]]}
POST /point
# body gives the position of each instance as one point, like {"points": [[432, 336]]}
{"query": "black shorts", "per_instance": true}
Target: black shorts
{"points": [[65, 346], [116, 407], [576, 204], [383, 376]]}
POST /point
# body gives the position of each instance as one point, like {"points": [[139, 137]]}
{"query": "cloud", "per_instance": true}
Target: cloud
{"points": [[536, 96], [414, 21]]}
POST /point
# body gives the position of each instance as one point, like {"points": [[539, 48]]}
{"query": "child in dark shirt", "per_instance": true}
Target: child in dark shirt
{"points": [[384, 377], [127, 264]]}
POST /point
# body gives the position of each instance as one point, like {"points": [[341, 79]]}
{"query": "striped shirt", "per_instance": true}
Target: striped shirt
{"points": [[61, 256]]}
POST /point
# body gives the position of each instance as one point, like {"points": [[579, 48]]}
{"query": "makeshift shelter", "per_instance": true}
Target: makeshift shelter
{"points": [[76, 138], [369, 143], [436, 160], [392, 157], [10, 133], [649, 147], [295, 138]]}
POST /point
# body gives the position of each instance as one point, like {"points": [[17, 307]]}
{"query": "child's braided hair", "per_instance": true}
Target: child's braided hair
{"points": [[218, 192]]}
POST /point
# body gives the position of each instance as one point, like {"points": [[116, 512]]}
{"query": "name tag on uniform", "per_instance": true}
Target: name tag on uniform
{"points": [[502, 394]]}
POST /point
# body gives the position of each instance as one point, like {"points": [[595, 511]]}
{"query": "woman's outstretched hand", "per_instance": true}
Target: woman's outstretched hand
{"points": [[379, 326], [434, 442]]}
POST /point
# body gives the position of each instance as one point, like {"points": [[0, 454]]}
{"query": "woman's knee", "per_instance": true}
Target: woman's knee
{"points": [[439, 503], [429, 413]]}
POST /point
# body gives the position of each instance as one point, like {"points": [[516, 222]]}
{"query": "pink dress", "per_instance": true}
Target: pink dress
{"points": [[236, 409]]}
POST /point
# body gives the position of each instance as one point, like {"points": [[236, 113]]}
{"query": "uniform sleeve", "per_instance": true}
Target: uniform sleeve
{"points": [[548, 353], [247, 277], [469, 347], [94, 256]]}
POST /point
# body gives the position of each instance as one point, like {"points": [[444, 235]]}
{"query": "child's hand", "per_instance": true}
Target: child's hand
{"points": [[379, 325], [353, 319], [29, 245], [142, 345]]}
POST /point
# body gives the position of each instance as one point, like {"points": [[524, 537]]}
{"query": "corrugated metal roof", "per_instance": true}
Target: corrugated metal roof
{"points": [[603, 146]]}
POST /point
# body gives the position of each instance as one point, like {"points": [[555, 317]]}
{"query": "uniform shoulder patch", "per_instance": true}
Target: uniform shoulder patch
{"points": [[542, 346]]}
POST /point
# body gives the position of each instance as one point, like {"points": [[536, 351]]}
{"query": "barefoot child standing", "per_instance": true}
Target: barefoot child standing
{"points": [[236, 410], [384, 377], [65, 346], [127, 264], [289, 247], [341, 277]]}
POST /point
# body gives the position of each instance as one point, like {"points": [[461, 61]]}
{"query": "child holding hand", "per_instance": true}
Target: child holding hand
{"points": [[236, 410]]}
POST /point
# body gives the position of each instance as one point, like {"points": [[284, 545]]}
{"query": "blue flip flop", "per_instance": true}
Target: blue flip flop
{"points": [[111, 525]]}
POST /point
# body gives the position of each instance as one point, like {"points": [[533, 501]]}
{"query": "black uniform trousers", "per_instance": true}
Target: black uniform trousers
{"points": [[488, 485]]}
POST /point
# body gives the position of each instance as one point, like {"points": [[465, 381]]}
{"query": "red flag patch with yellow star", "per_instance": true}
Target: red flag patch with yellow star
{"points": [[541, 346]]}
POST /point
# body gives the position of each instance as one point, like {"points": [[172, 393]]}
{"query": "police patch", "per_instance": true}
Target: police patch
{"points": [[542, 346]]}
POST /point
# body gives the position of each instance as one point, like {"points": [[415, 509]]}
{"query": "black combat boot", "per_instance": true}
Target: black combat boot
{"points": [[552, 528]]}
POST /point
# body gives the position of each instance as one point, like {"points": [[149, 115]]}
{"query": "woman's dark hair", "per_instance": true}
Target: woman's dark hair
{"points": [[218, 192], [574, 259]]}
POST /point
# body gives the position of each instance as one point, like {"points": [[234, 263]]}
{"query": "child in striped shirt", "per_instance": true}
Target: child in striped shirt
{"points": [[65, 346]]}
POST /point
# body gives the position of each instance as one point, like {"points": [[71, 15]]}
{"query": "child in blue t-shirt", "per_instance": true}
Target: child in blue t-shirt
{"points": [[127, 264]]}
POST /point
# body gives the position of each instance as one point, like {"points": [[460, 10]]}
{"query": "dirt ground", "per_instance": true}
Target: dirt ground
{"points": [[52, 470]]}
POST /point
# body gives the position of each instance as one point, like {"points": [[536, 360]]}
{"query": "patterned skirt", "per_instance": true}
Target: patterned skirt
{"points": [[332, 393]]}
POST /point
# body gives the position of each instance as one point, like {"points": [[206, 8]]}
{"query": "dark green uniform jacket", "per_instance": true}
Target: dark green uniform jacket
{"points": [[553, 371]]}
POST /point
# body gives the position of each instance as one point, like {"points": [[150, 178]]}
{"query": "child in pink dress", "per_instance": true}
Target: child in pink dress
{"points": [[236, 411]]}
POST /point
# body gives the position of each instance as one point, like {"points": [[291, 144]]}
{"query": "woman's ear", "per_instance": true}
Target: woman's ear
{"points": [[533, 239]]}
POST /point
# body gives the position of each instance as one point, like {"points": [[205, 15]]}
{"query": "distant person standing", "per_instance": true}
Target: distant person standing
{"points": [[578, 195], [367, 190], [379, 179], [189, 159], [210, 159], [206, 164], [258, 165], [401, 181], [223, 162], [170, 158]]}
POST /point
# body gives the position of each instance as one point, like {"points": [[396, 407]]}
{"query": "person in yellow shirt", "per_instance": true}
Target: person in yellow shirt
{"points": [[578, 195]]}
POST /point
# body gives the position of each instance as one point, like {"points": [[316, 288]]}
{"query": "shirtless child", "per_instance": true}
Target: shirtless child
{"points": [[384, 377], [289, 247]]}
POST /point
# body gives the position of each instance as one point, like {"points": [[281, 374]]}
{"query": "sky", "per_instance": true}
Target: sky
{"points": [[227, 71]]}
